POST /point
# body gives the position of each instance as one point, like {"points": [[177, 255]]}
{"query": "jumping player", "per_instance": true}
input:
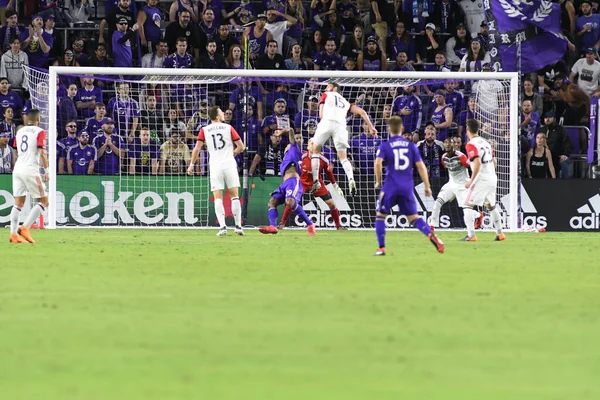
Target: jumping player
{"points": [[220, 139], [400, 156], [31, 165], [290, 191], [482, 185], [333, 109], [307, 182]]}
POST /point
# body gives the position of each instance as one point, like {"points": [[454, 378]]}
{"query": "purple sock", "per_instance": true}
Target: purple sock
{"points": [[380, 231], [421, 225], [303, 217], [273, 217]]}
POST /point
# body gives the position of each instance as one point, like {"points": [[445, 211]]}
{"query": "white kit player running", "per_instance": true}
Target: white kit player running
{"points": [[333, 110], [223, 143], [32, 161], [482, 185]]}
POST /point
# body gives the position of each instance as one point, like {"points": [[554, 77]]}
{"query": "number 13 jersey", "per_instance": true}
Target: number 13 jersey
{"points": [[479, 147], [219, 138]]}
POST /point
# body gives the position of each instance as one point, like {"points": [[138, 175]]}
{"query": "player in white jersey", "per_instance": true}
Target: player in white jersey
{"points": [[482, 185], [30, 170], [223, 144], [333, 110]]}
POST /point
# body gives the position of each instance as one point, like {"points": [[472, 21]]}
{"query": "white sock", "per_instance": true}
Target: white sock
{"points": [[220, 211], [34, 214], [14, 220], [470, 216], [236, 208], [497, 219], [348, 169], [315, 162], [435, 216]]}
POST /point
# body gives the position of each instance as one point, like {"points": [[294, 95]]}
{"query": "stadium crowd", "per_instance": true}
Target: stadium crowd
{"points": [[111, 128]]}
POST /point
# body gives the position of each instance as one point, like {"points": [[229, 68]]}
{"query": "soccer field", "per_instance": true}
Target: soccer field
{"points": [[182, 314]]}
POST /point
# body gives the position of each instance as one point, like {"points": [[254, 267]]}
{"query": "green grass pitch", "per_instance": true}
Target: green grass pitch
{"points": [[181, 314]]}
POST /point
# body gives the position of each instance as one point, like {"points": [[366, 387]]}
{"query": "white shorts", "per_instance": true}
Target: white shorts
{"points": [[222, 177], [330, 129], [481, 193], [451, 191], [28, 182]]}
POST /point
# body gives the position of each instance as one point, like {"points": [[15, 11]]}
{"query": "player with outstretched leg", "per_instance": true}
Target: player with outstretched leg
{"points": [[400, 156]]}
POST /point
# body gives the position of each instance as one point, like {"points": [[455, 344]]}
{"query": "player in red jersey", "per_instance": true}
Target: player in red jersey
{"points": [[307, 182]]}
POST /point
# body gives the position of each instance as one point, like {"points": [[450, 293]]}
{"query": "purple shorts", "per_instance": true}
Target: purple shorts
{"points": [[404, 200], [290, 189]]}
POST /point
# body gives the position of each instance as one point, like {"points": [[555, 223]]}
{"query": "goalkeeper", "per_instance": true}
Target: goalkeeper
{"points": [[307, 182]]}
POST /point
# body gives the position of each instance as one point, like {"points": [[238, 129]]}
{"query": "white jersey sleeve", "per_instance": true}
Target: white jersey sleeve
{"points": [[479, 147], [335, 107], [458, 168], [219, 138], [28, 141]]}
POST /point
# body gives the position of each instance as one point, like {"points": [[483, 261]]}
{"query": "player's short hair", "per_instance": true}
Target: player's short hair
{"points": [[33, 114], [335, 85], [395, 125], [473, 126], [213, 113]]}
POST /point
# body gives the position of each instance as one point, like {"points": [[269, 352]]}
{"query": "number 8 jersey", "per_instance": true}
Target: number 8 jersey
{"points": [[27, 142], [479, 147], [219, 138]]}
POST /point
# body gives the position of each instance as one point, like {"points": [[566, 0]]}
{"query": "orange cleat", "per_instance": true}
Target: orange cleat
{"points": [[432, 228], [26, 234], [380, 252], [469, 239], [268, 230], [500, 237], [479, 221], [17, 239], [311, 230], [439, 245]]}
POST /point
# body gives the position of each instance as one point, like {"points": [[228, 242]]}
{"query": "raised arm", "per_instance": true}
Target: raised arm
{"points": [[356, 110]]}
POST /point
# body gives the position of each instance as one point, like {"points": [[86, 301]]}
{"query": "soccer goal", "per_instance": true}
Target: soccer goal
{"points": [[139, 177]]}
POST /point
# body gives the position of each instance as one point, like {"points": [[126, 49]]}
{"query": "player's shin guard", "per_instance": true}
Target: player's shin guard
{"points": [[347, 165], [273, 217], [469, 217], [236, 209], [422, 226], [335, 215], [14, 220], [286, 214], [220, 212], [435, 215], [315, 162], [302, 214], [495, 214], [34, 214], [380, 231]]}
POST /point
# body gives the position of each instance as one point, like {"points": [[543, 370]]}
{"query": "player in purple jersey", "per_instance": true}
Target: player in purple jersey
{"points": [[400, 156], [290, 191]]}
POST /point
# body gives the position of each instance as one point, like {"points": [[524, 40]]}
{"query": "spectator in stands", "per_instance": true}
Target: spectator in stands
{"points": [[80, 57], [458, 45], [447, 15], [269, 157], [100, 60], [401, 41], [174, 155], [122, 40], [378, 20], [278, 29], [125, 111], [80, 11], [149, 19], [7, 125], [114, 17], [7, 154], [364, 147], [113, 4], [539, 160], [255, 99], [224, 40], [588, 27], [253, 127], [151, 117], [306, 120], [67, 60], [475, 58], [454, 98], [143, 154], [69, 141], [188, 100], [93, 125], [483, 35], [296, 62], [37, 43], [278, 120], [207, 26], [11, 65], [350, 65], [212, 59], [587, 70], [258, 37], [51, 7], [295, 9], [442, 116], [559, 143], [184, 5], [529, 94], [234, 58], [87, 97], [10, 30], [428, 45], [348, 14], [410, 108], [9, 98], [181, 58], [313, 47], [156, 59], [530, 121], [67, 110], [216, 6], [372, 58], [547, 78], [271, 60], [333, 29], [328, 59], [282, 91], [431, 150], [57, 37], [402, 63], [464, 116], [82, 157], [441, 66], [183, 29], [319, 10], [110, 147], [174, 124], [243, 13], [381, 119], [354, 45]]}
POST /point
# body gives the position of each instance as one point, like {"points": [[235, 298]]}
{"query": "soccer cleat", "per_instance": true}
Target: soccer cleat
{"points": [[316, 186], [432, 228], [439, 245], [479, 221], [268, 230], [380, 252], [352, 187], [222, 231], [469, 239], [341, 228], [281, 225], [26, 234], [239, 231], [500, 237], [17, 239], [311, 230]]}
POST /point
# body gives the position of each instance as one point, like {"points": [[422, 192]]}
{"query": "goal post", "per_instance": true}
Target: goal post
{"points": [[212, 86]]}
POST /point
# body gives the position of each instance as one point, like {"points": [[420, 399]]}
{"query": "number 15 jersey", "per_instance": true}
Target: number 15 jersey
{"points": [[219, 138], [335, 107], [28, 141], [479, 147], [400, 157]]}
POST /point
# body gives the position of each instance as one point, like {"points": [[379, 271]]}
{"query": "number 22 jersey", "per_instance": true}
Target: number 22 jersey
{"points": [[479, 147]]}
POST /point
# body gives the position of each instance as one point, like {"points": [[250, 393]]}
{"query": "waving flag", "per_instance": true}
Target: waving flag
{"points": [[534, 23]]}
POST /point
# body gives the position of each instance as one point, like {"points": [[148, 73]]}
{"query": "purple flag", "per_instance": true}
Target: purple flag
{"points": [[593, 129], [534, 23]]}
